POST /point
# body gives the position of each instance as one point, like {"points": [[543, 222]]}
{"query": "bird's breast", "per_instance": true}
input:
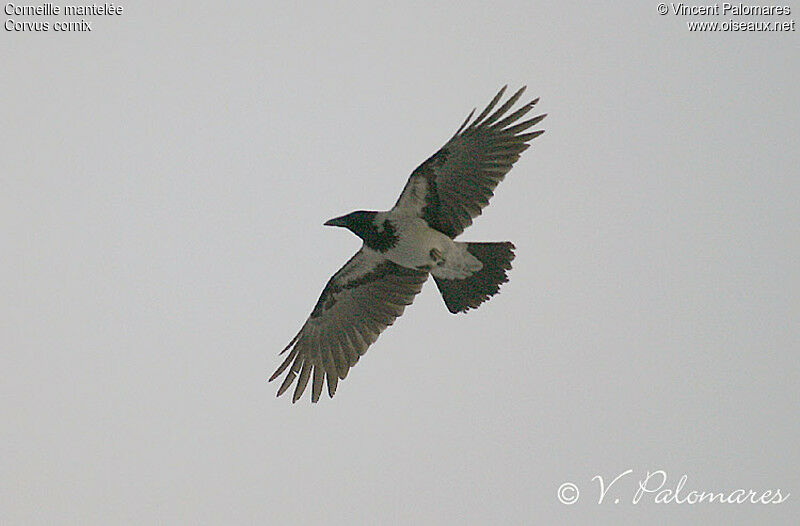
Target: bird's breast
{"points": [[415, 243]]}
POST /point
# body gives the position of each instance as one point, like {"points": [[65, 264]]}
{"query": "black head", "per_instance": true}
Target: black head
{"points": [[356, 222], [362, 223]]}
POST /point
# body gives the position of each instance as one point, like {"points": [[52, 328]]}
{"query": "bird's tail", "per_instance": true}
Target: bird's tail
{"points": [[460, 295]]}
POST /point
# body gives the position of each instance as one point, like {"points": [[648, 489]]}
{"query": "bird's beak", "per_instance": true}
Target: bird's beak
{"points": [[336, 221]]}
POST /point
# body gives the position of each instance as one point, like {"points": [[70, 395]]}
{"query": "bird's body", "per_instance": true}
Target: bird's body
{"points": [[406, 244], [410, 242]]}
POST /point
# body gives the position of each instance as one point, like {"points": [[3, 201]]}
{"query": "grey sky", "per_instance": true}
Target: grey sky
{"points": [[165, 176]]}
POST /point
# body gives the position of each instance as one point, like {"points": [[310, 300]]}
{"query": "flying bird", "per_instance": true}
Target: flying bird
{"points": [[414, 239]]}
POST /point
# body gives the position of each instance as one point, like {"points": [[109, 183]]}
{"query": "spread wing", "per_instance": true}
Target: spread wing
{"points": [[363, 298], [455, 184]]}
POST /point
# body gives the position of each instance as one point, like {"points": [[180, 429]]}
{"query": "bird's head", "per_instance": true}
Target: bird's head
{"points": [[357, 222]]}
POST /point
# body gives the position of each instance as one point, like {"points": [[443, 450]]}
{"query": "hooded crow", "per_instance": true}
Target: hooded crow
{"points": [[404, 245]]}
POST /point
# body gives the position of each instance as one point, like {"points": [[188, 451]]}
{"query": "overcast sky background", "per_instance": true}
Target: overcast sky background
{"points": [[164, 183]]}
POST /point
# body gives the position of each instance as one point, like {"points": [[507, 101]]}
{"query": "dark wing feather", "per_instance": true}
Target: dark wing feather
{"points": [[363, 298], [455, 184]]}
